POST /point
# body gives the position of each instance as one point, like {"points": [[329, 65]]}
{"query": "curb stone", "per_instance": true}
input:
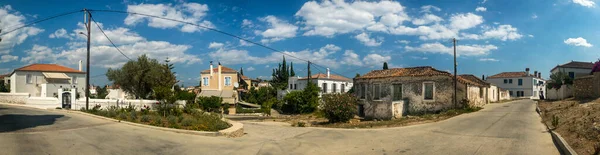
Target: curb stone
{"points": [[236, 129], [560, 143]]}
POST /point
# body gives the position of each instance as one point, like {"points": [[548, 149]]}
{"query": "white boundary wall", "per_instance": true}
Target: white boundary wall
{"points": [[18, 98]]}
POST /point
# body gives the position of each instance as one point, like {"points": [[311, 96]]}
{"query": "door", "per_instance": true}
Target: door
{"points": [[66, 100]]}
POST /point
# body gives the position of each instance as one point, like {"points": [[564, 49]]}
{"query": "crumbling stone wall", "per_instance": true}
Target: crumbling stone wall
{"points": [[413, 101], [583, 87], [474, 96]]}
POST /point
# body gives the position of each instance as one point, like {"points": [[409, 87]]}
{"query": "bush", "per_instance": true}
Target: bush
{"points": [[133, 116], [210, 104], [172, 119], [239, 109], [157, 121], [130, 108], [188, 122], [555, 121], [339, 107], [122, 116], [145, 110], [145, 119], [190, 108]]}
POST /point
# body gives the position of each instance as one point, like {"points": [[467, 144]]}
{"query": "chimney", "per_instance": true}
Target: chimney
{"points": [[483, 77], [540, 75], [80, 64], [211, 69], [527, 70], [328, 73], [220, 78], [535, 74]]}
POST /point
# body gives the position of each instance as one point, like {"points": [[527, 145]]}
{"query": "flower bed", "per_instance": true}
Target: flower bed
{"points": [[165, 116]]}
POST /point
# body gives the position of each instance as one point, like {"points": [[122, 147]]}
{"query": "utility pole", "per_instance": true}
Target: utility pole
{"points": [[87, 70], [455, 80]]}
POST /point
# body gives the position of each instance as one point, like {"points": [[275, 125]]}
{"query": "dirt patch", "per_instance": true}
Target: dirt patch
{"points": [[577, 121]]}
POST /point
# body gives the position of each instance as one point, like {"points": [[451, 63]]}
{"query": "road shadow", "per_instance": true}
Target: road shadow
{"points": [[14, 122]]}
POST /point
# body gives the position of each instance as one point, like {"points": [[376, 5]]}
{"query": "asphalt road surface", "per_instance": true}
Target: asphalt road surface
{"points": [[507, 128]]}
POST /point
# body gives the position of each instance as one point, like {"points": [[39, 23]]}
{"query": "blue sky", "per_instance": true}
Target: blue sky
{"points": [[347, 36]]}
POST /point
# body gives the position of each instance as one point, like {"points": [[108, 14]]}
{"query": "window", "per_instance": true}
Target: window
{"points": [[324, 87], [228, 81], [343, 87], [480, 92], [505, 80], [509, 80], [363, 91], [333, 87], [205, 81], [28, 79], [397, 92], [291, 86], [428, 90], [535, 81], [376, 91], [74, 80], [572, 75], [520, 82], [510, 93], [295, 86]]}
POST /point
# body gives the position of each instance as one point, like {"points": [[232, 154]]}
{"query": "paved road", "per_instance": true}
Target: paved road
{"points": [[508, 128]]}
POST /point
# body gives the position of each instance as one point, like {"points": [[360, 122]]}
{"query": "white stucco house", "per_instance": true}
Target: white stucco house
{"points": [[520, 84], [44, 80], [574, 69], [328, 83]]}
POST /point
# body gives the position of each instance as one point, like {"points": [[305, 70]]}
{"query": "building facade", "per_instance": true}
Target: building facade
{"points": [[222, 82], [327, 83], [574, 69], [44, 80], [520, 84]]}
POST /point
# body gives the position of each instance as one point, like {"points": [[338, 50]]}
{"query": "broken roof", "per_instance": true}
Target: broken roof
{"points": [[472, 79]]}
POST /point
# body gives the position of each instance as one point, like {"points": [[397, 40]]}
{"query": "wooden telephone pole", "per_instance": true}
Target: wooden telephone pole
{"points": [[455, 80], [87, 67]]}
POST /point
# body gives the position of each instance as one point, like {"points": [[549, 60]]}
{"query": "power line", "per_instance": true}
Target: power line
{"points": [[212, 29], [41, 20], [109, 39]]}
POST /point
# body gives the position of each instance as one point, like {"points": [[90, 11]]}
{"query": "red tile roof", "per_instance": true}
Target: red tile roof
{"points": [[404, 72], [324, 76], [245, 77], [48, 68], [2, 76], [472, 79], [510, 75], [223, 70]]}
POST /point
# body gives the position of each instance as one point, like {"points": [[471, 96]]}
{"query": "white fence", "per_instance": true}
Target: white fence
{"points": [[565, 91], [18, 98], [105, 103]]}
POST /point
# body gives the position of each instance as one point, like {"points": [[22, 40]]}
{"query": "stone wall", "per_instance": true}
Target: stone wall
{"points": [[412, 96], [583, 87], [475, 99], [18, 98]]}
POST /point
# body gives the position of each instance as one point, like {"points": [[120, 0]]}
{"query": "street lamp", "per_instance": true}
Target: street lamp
{"points": [[83, 34]]}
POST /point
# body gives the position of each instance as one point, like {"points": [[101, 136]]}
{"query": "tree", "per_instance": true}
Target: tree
{"points": [[339, 107], [292, 73], [101, 92], [3, 87], [305, 101], [385, 65], [139, 77], [558, 79], [241, 70], [280, 76]]}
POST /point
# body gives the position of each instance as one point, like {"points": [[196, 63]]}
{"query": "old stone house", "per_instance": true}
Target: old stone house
{"points": [[393, 93]]}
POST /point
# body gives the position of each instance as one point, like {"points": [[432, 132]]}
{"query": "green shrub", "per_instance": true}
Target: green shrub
{"points": [[339, 107], [158, 121], [301, 124], [211, 122], [188, 122], [190, 108], [130, 108], [145, 118], [122, 116], [239, 109], [266, 107], [210, 104], [133, 116], [555, 121], [172, 119], [145, 110]]}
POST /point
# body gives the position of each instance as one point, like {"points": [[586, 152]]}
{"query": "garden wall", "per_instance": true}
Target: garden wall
{"points": [[18, 98], [565, 91], [583, 87]]}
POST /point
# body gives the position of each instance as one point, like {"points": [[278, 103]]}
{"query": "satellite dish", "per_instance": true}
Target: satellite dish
{"points": [[236, 84]]}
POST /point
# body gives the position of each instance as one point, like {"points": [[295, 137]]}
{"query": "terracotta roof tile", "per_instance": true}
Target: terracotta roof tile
{"points": [[48, 68], [510, 75], [245, 77], [223, 70], [472, 79], [403, 72], [324, 76]]}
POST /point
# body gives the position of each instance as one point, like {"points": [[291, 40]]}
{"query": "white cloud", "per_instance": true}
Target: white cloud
{"points": [[60, 33], [247, 24], [428, 8], [482, 2], [419, 58], [403, 41], [215, 45], [267, 66], [534, 16], [350, 58], [482, 9], [119, 35], [187, 12], [489, 59], [278, 30], [367, 41], [502, 32], [337, 17], [426, 19], [578, 42], [465, 21], [10, 19], [245, 43], [530, 36], [8, 58], [40, 54], [375, 59], [467, 50], [586, 3], [250, 68]]}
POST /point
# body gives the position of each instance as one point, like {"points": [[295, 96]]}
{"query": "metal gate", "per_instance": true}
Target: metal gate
{"points": [[66, 100]]}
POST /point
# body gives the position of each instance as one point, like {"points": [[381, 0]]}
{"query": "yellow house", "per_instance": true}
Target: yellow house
{"points": [[220, 81]]}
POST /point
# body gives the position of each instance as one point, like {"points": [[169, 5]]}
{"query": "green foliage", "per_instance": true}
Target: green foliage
{"points": [[145, 118], [260, 95], [558, 79], [133, 115], [188, 121], [305, 101], [292, 73], [101, 92], [280, 76], [172, 119], [210, 104], [339, 107], [555, 121], [266, 107], [122, 116], [190, 108], [385, 65], [158, 121], [141, 76], [3, 87], [240, 110]]}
